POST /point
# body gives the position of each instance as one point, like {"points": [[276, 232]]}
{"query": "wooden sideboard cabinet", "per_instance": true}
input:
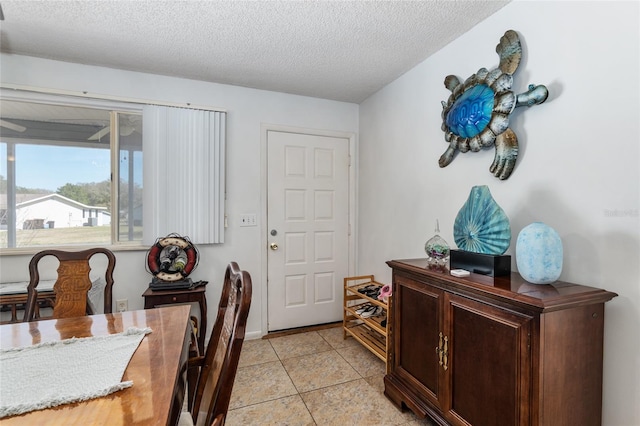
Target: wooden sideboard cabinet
{"points": [[497, 351]]}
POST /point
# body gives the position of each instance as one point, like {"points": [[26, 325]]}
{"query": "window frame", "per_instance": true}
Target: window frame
{"points": [[115, 109], [27, 93]]}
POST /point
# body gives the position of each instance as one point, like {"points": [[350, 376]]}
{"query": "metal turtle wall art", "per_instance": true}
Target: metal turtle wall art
{"points": [[476, 115]]}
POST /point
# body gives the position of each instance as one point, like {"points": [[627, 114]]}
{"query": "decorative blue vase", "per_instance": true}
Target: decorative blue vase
{"points": [[539, 253], [481, 225]]}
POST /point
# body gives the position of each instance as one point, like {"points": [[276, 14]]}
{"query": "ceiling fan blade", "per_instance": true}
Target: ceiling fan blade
{"points": [[126, 130], [12, 126], [99, 134]]}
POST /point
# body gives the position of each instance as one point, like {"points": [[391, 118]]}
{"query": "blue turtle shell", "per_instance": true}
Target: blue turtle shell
{"points": [[471, 112]]}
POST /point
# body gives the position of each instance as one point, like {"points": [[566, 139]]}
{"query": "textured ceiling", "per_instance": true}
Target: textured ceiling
{"points": [[340, 50]]}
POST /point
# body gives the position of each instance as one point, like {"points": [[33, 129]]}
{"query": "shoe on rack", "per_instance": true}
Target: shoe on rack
{"points": [[367, 288], [368, 312], [373, 293], [377, 310], [363, 308], [365, 312]]}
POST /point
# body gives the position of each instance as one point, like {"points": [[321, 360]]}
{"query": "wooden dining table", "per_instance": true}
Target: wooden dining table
{"points": [[157, 368]]}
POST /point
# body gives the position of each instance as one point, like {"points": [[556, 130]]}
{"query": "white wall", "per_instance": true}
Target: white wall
{"points": [[247, 110], [577, 170]]}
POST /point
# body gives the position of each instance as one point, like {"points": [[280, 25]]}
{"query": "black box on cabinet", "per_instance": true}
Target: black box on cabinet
{"points": [[480, 263]]}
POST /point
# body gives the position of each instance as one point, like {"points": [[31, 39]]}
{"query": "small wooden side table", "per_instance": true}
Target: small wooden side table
{"points": [[153, 298]]}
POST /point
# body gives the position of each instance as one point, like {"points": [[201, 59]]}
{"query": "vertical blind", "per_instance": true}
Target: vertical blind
{"points": [[184, 173]]}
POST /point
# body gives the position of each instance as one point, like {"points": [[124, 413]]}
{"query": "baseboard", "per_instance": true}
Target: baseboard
{"points": [[297, 330], [253, 335]]}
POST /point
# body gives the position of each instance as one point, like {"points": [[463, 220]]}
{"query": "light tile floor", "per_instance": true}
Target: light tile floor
{"points": [[312, 378]]}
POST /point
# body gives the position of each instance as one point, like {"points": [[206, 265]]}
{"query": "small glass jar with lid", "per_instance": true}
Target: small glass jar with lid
{"points": [[437, 251]]}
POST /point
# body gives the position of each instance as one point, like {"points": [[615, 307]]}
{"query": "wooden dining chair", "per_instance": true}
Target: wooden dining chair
{"points": [[218, 366], [72, 284]]}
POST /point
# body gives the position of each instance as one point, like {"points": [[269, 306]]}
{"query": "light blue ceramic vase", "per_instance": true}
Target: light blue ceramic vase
{"points": [[539, 253]]}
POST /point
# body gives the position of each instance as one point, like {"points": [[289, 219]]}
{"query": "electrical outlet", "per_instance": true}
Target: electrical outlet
{"points": [[122, 305], [248, 220]]}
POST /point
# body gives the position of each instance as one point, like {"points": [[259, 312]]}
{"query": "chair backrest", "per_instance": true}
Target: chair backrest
{"points": [[73, 282], [218, 372]]}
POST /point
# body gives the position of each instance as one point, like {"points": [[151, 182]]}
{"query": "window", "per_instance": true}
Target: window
{"points": [[57, 161], [71, 171]]}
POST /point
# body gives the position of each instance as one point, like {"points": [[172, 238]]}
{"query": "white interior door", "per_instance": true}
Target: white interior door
{"points": [[308, 227]]}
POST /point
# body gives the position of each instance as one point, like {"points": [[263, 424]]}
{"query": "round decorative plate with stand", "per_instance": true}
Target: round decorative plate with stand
{"points": [[172, 258]]}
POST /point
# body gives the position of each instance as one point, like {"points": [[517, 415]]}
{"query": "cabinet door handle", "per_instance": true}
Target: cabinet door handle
{"points": [[439, 349], [446, 352]]}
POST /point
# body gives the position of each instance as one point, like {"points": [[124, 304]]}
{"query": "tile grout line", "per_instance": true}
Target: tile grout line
{"points": [[328, 338], [334, 349], [292, 382]]}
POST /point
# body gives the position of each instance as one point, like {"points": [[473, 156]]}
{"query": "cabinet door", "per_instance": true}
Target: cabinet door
{"points": [[418, 318], [489, 364]]}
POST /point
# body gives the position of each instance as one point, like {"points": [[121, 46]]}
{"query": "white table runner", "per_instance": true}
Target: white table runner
{"points": [[65, 371]]}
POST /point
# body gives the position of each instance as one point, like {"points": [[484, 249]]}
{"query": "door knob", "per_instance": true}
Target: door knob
{"points": [[273, 246]]}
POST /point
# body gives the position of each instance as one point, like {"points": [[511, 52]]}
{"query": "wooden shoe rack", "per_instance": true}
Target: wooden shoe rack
{"points": [[368, 331]]}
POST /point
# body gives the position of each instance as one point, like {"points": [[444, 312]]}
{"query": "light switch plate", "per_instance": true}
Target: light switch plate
{"points": [[248, 219]]}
